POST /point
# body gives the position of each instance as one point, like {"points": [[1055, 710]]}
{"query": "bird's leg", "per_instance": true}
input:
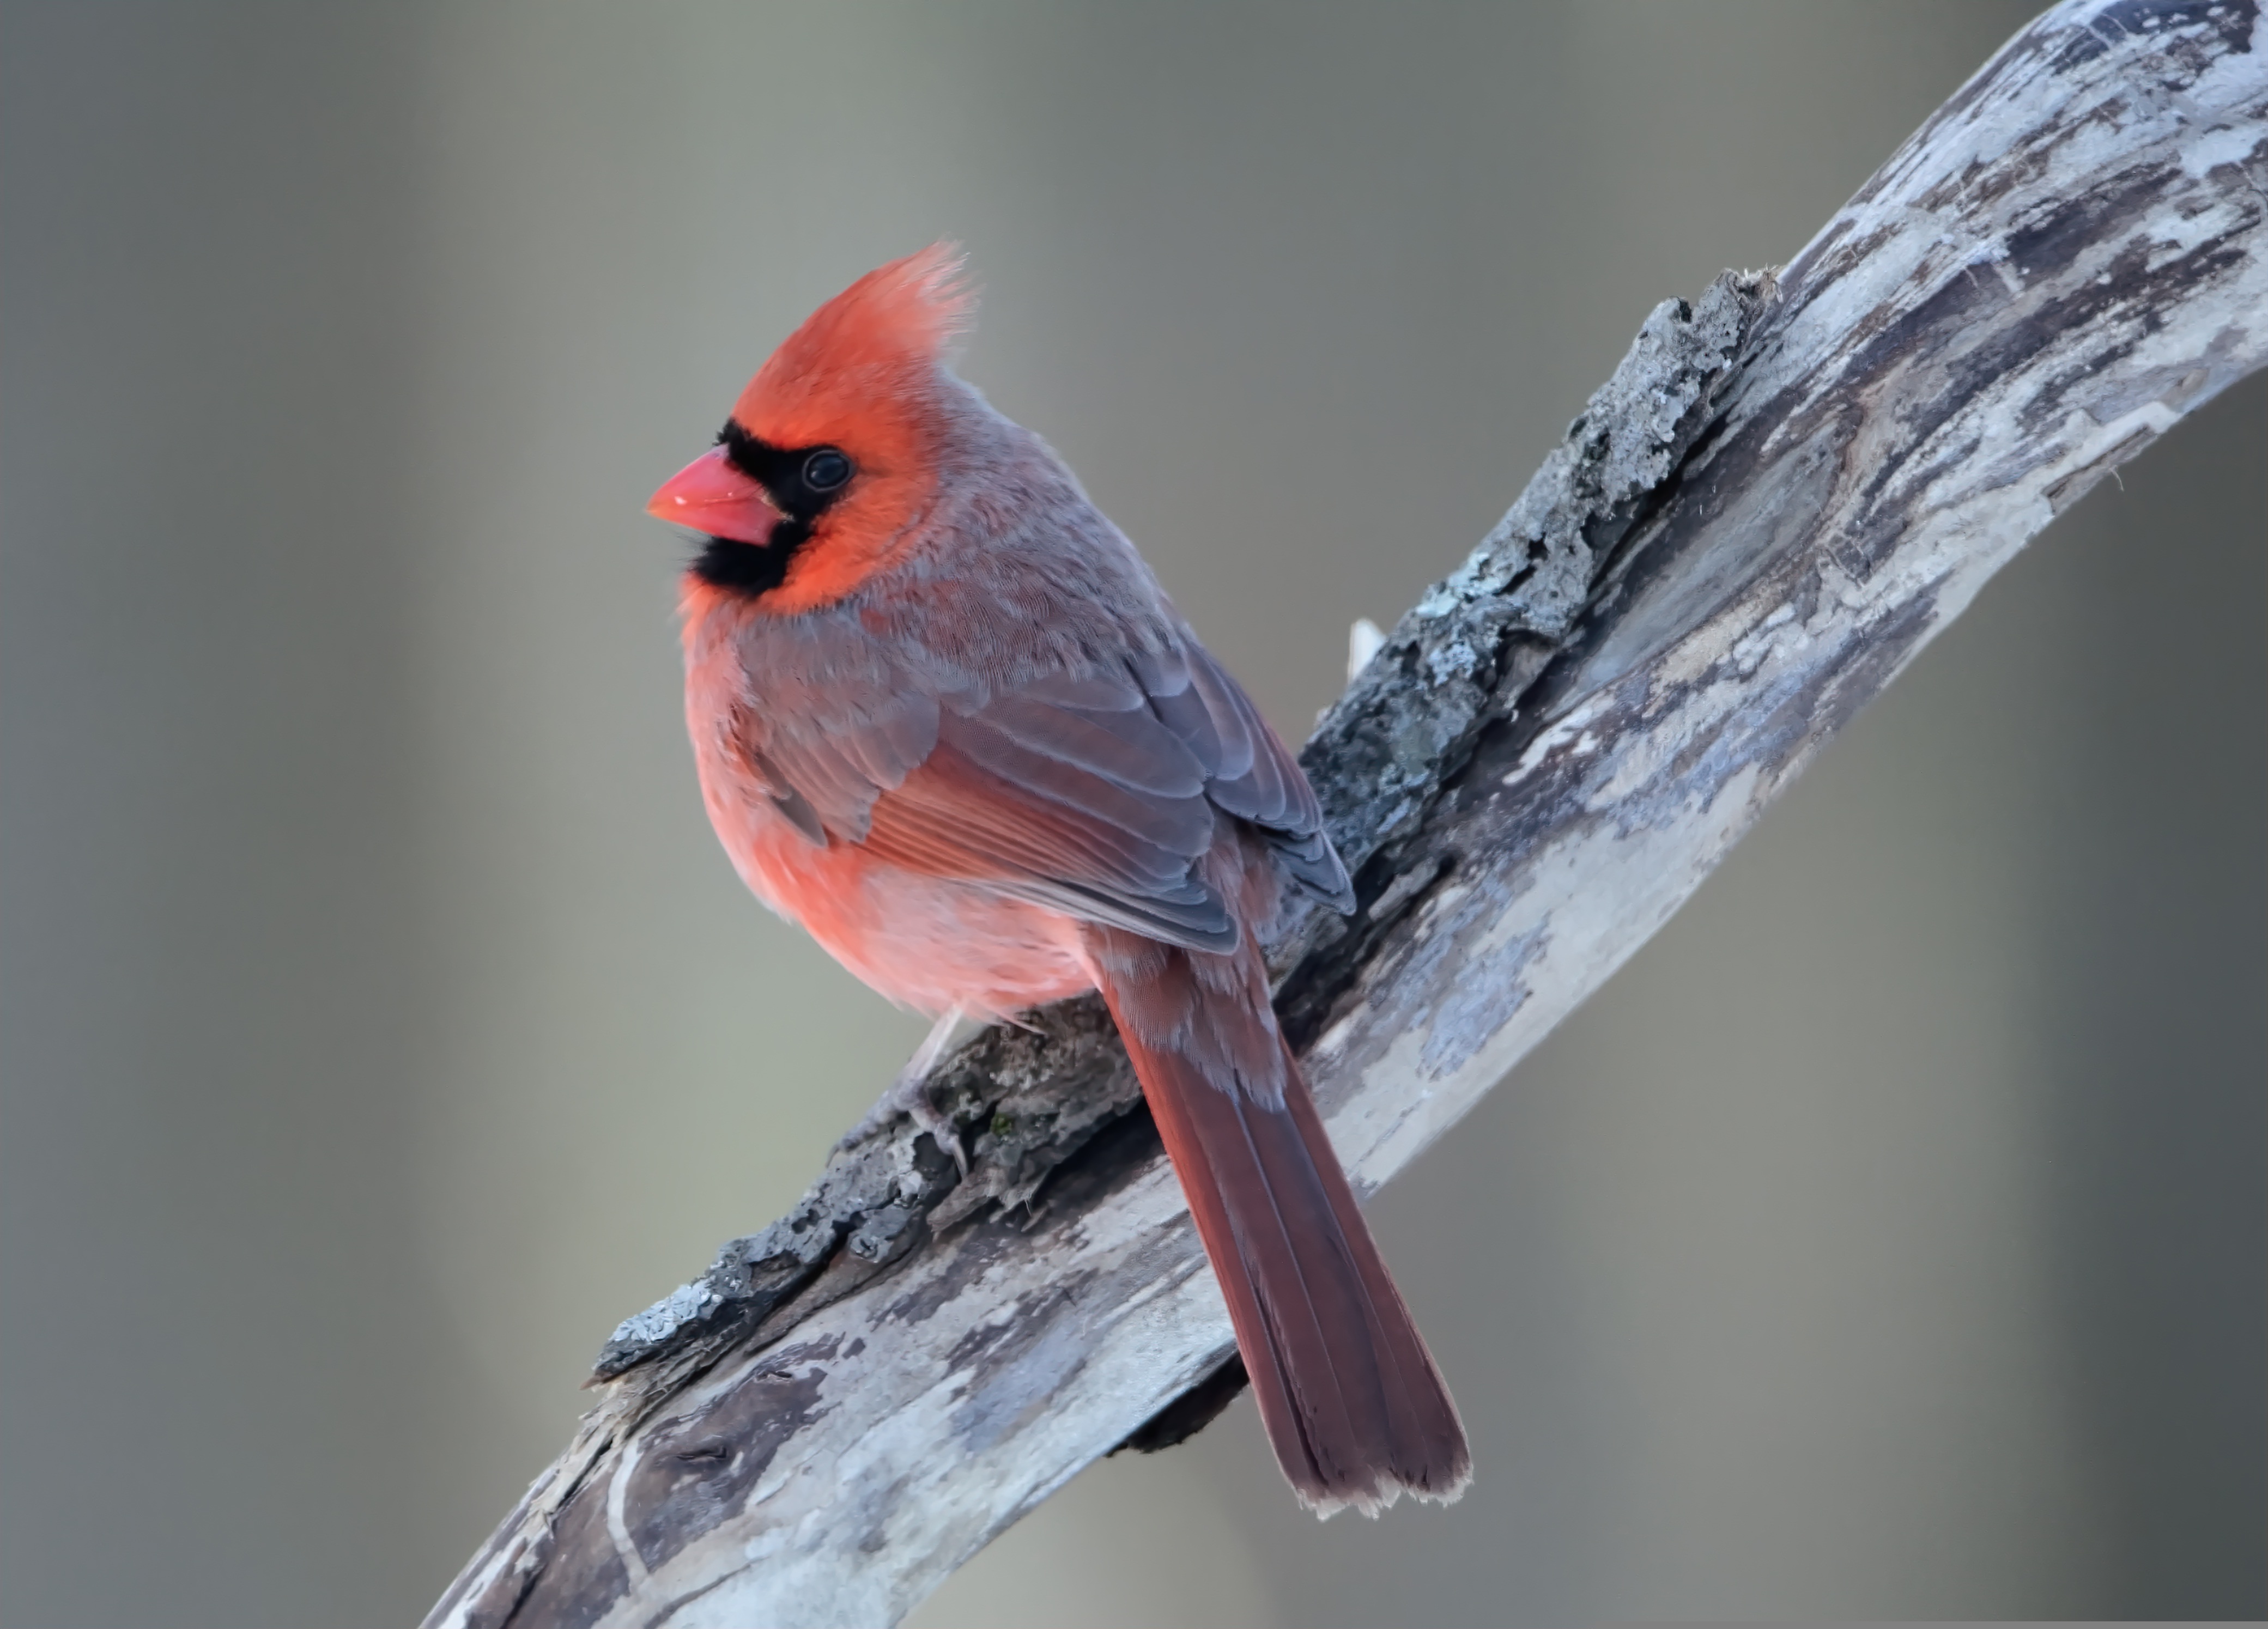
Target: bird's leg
{"points": [[908, 1094]]}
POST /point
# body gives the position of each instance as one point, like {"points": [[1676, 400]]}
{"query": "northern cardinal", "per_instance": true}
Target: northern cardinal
{"points": [[946, 719]]}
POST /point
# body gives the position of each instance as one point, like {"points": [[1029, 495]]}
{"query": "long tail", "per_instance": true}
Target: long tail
{"points": [[1356, 1411]]}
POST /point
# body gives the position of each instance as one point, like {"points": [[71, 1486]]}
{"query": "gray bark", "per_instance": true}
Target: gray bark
{"points": [[1784, 490]]}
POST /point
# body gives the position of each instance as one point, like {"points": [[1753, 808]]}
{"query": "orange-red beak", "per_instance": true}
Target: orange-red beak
{"points": [[710, 496]]}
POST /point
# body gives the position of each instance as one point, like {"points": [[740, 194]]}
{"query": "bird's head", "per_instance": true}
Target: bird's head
{"points": [[829, 459]]}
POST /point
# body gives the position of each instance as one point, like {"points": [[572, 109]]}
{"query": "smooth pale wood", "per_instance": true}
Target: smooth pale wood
{"points": [[1786, 489]]}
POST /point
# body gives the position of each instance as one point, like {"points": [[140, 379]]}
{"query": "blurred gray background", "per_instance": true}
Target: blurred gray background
{"points": [[381, 1022]]}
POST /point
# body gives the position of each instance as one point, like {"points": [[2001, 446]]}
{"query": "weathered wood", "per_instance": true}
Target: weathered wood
{"points": [[1786, 489]]}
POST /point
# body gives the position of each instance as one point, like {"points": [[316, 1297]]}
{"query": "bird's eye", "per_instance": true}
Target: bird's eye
{"points": [[825, 470]]}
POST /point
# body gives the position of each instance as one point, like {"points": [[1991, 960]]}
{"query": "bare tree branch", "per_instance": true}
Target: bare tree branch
{"points": [[1785, 489]]}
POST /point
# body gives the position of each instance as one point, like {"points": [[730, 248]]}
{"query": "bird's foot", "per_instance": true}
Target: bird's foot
{"points": [[908, 1094]]}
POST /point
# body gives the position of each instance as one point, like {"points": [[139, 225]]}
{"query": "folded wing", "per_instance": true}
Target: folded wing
{"points": [[1095, 793]]}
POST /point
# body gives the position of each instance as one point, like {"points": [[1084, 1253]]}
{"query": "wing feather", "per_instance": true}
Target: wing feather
{"points": [[1130, 749], [1095, 791]]}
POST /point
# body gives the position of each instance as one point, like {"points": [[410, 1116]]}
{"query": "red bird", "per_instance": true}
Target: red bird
{"points": [[946, 719]]}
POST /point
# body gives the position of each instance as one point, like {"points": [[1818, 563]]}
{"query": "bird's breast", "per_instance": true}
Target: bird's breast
{"points": [[931, 943]]}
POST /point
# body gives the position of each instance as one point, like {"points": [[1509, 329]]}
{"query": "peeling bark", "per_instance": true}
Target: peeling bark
{"points": [[1786, 489]]}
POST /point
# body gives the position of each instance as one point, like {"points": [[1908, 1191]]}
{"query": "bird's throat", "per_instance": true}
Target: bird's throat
{"points": [[751, 570]]}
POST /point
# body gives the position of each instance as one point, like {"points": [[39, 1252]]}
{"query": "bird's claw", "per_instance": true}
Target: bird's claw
{"points": [[909, 1095]]}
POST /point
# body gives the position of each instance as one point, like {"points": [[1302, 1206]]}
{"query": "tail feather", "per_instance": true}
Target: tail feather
{"points": [[1354, 1406]]}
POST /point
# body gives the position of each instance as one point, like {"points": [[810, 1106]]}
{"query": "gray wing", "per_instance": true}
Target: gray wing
{"points": [[1096, 794]]}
